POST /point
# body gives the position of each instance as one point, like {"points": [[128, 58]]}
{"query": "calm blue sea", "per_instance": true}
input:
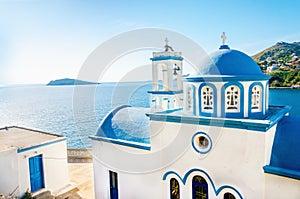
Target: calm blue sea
{"points": [[76, 111]]}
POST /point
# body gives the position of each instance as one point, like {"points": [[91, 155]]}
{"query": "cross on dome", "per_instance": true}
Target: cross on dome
{"points": [[223, 36]]}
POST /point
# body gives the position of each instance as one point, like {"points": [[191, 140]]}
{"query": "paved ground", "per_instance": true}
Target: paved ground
{"points": [[81, 174]]}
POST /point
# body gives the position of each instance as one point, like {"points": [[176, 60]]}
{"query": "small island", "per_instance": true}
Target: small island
{"points": [[68, 81]]}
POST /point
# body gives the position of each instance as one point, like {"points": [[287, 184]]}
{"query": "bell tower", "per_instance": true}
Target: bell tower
{"points": [[167, 90]]}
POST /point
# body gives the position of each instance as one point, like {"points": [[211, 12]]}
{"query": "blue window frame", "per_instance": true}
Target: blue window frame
{"points": [[232, 100], [256, 99], [207, 100]]}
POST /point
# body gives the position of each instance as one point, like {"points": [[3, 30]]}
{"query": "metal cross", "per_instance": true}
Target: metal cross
{"points": [[223, 36]]}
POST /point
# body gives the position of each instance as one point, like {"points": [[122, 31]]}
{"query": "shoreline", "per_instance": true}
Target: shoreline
{"points": [[291, 87]]}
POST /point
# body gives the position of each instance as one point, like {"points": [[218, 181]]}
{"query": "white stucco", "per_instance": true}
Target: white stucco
{"points": [[281, 187], [14, 163], [236, 159]]}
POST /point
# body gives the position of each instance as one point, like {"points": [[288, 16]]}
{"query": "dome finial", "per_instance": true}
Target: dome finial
{"points": [[223, 36]]}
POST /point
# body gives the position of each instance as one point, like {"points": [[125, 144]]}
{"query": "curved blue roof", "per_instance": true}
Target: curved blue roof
{"points": [[126, 123], [285, 157], [286, 146], [229, 62]]}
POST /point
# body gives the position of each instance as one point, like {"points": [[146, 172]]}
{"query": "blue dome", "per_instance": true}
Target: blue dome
{"points": [[126, 123], [229, 62]]}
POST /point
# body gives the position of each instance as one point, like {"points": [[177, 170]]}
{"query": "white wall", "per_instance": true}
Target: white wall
{"points": [[55, 166], [9, 171], [282, 187], [236, 159]]}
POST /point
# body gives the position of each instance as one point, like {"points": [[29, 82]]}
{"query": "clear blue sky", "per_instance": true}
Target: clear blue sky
{"points": [[44, 40]]}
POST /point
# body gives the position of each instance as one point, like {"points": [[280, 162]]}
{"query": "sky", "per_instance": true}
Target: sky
{"points": [[42, 40]]}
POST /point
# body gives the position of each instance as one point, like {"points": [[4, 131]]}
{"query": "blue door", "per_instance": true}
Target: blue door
{"points": [[36, 173], [199, 188]]}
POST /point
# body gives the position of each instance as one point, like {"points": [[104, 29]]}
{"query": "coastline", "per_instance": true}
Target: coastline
{"points": [[291, 87]]}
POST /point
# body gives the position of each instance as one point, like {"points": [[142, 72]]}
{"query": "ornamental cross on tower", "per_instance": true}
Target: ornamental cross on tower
{"points": [[223, 36], [167, 41], [167, 47]]}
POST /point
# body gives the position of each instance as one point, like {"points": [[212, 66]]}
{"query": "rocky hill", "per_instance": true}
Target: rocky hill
{"points": [[279, 51], [282, 62]]}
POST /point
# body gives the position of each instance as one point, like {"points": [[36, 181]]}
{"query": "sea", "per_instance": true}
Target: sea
{"points": [[76, 111]]}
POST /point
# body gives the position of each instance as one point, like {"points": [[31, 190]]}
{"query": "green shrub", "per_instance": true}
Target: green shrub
{"points": [[27, 195]]}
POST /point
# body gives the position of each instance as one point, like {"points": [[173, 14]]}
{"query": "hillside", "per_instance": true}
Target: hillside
{"points": [[279, 51], [67, 81], [282, 62]]}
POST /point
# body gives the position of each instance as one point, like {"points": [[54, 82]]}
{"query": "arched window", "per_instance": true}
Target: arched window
{"points": [[207, 101], [228, 196], [232, 99], [256, 99], [174, 189], [199, 188]]}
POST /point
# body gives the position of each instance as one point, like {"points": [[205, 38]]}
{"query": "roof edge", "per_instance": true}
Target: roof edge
{"points": [[225, 78], [122, 142], [282, 172], [33, 130]]}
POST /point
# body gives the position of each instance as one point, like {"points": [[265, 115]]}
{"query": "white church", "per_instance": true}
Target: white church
{"points": [[212, 135]]}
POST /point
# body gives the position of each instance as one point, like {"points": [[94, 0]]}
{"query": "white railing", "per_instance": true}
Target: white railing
{"points": [[164, 54]]}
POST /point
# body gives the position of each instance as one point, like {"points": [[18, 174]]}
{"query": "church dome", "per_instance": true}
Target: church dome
{"points": [[226, 61]]}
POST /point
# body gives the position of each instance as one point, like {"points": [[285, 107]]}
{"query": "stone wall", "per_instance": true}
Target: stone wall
{"points": [[79, 155]]}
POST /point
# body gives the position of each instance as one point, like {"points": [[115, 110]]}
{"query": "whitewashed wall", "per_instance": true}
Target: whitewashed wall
{"points": [[282, 187], [55, 166], [9, 171], [236, 159]]}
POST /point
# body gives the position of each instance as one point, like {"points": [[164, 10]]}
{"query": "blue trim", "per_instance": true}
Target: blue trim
{"points": [[256, 114], [264, 124], [282, 172], [214, 113], [210, 140], [40, 145], [223, 94], [223, 47], [122, 142], [267, 91], [170, 110], [227, 78], [217, 191], [166, 92], [275, 118], [166, 58]]}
